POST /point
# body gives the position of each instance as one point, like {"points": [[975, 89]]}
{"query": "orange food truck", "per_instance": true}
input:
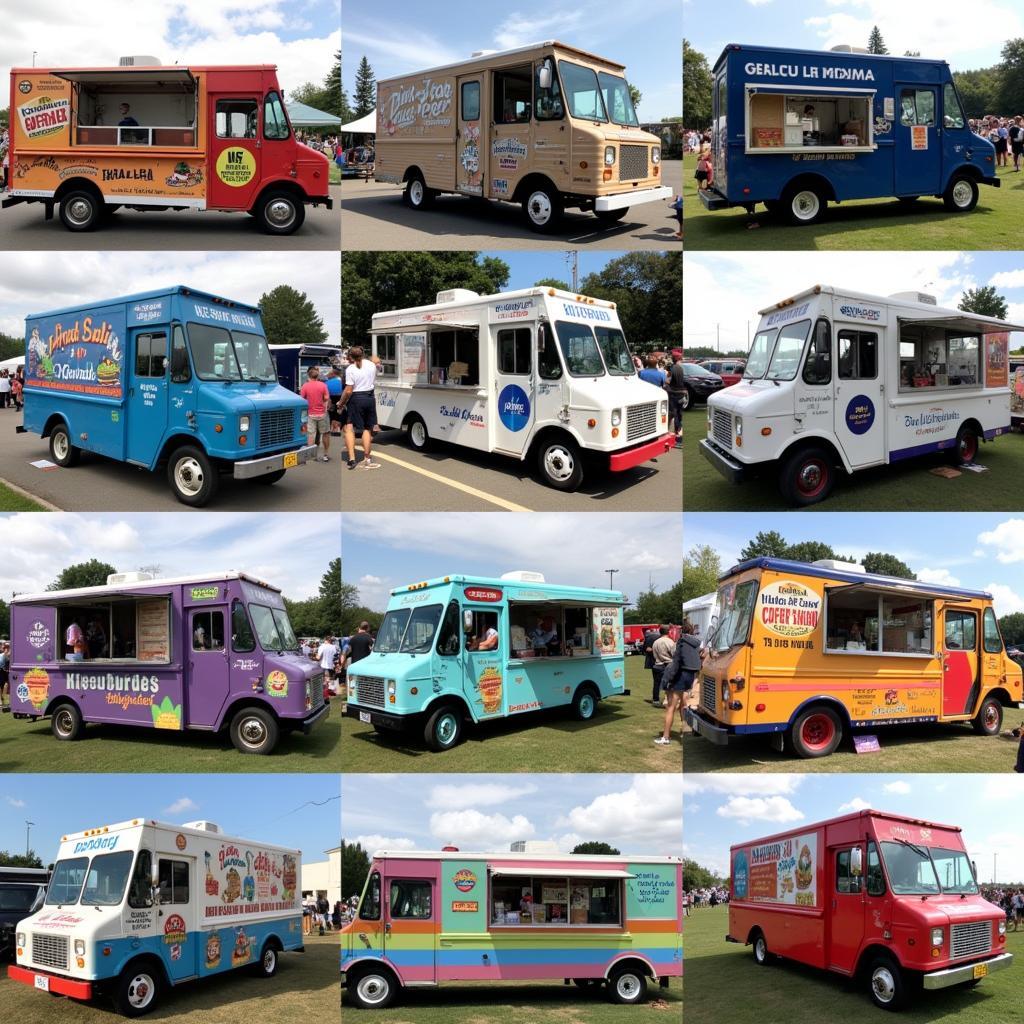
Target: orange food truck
{"points": [[806, 652], [148, 137]]}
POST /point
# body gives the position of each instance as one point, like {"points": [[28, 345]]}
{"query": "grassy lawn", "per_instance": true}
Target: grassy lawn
{"points": [[788, 993], [305, 989], [619, 738], [524, 1002], [862, 224], [12, 501], [30, 747], [901, 487], [334, 174]]}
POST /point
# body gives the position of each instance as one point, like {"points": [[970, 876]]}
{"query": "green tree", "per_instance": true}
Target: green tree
{"points": [[697, 877], [365, 93], [19, 860], [336, 100], [1012, 628], [887, 565], [5, 618], [355, 866], [809, 551], [552, 282], [697, 85], [11, 347], [1010, 96], [701, 569], [596, 848], [311, 94], [290, 318], [635, 95], [985, 301], [767, 544], [93, 573], [979, 90], [876, 44]]}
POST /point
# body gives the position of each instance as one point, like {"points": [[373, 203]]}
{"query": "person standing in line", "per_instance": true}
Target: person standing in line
{"points": [[359, 400], [650, 636], [661, 654], [317, 397]]}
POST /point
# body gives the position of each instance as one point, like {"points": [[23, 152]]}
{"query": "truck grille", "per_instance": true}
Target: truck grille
{"points": [[50, 951], [370, 691], [641, 420], [721, 427], [970, 939], [276, 427], [316, 686], [632, 162], [708, 688]]}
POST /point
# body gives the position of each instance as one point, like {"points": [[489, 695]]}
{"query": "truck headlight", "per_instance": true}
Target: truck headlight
{"points": [[936, 936], [616, 417], [243, 424], [739, 426], [725, 691], [664, 412], [79, 947], [656, 155], [1002, 929], [304, 416], [20, 937], [392, 689], [609, 155]]}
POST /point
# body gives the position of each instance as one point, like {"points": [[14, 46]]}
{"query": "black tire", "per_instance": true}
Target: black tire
{"points": [[280, 213], [66, 722], [968, 443], [627, 986], [543, 208], [254, 731], [560, 463], [272, 478], [687, 400], [416, 195], [886, 985], [817, 732], [371, 989], [266, 966], [138, 990], [584, 703], [62, 451], [417, 434], [611, 216], [443, 729], [803, 204], [989, 719], [762, 955], [192, 476], [961, 195], [81, 210], [807, 476]]}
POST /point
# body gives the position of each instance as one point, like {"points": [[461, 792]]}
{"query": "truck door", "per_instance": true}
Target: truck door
{"points": [[146, 408], [234, 171], [181, 391], [859, 412], [369, 924], [207, 683], [410, 917], [513, 390], [470, 155], [510, 146], [846, 924], [177, 920], [918, 140], [484, 676], [959, 660]]}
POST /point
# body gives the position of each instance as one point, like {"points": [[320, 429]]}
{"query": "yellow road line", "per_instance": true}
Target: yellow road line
{"points": [[509, 506]]}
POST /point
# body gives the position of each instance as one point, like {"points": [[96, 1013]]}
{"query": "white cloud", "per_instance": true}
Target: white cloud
{"points": [[522, 29], [1008, 279], [374, 842], [898, 787], [745, 810], [941, 576], [181, 806], [480, 794], [369, 579], [1006, 599], [473, 830], [647, 814], [1006, 541], [775, 784], [858, 803], [15, 801]]}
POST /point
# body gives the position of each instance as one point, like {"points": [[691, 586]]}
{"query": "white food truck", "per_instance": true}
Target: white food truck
{"points": [[136, 907], [536, 374], [837, 379]]}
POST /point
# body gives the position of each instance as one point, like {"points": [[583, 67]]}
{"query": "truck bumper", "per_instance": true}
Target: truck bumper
{"points": [[320, 201], [713, 200], [718, 734], [373, 716], [13, 201], [993, 181], [631, 457], [617, 202], [318, 716], [272, 463], [51, 982], [966, 972], [733, 471]]}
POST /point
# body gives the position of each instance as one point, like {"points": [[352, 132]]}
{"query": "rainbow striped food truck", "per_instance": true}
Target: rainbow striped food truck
{"points": [[137, 907], [214, 652], [438, 916], [804, 653], [473, 649]]}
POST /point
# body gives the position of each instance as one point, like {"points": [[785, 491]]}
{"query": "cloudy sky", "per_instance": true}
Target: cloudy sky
{"points": [[640, 814], [725, 809], [406, 36], [299, 36], [284, 814], [37, 546], [722, 291], [966, 35], [385, 550], [33, 282]]}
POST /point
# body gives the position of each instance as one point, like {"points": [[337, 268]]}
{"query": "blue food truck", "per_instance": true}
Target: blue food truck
{"points": [[292, 362], [797, 129], [176, 378], [471, 649]]}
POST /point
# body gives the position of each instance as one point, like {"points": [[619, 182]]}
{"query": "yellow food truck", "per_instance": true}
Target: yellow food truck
{"points": [[807, 652]]}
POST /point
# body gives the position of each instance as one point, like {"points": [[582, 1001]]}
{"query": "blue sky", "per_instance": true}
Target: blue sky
{"points": [[977, 551], [527, 268], [640, 814], [966, 35], [407, 36], [268, 808], [723, 809], [385, 550], [37, 547]]}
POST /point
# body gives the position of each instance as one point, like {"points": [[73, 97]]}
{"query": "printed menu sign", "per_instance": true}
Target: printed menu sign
{"points": [[153, 634]]}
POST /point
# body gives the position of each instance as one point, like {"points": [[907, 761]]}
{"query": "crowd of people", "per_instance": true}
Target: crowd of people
{"points": [[318, 914], [5, 147], [12, 385], [1005, 133], [703, 897], [666, 372]]}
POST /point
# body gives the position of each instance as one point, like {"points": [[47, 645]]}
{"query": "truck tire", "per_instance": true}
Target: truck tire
{"points": [[138, 990], [416, 432], [584, 703], [966, 448], [816, 733], [81, 210], [807, 476], [66, 722], [611, 216], [627, 986], [254, 731], [62, 451], [416, 195], [192, 476], [803, 204], [961, 195], [886, 983], [266, 966], [989, 719], [762, 955], [280, 213], [443, 729], [560, 463], [371, 989], [542, 208]]}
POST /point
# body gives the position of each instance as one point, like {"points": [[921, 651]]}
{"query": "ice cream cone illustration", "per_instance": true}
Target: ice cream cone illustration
{"points": [[490, 690]]}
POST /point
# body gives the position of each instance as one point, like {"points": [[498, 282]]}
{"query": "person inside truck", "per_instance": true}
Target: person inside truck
{"points": [[74, 639], [127, 121], [486, 640], [544, 636]]}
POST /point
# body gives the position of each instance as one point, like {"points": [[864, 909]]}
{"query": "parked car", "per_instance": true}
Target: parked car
{"points": [[730, 370], [700, 384]]}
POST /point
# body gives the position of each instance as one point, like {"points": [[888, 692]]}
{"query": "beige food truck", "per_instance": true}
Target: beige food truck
{"points": [[546, 125]]}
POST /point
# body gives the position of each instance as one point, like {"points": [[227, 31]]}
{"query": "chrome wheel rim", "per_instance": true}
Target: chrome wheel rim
{"points": [[810, 478], [189, 477], [627, 986], [539, 208], [806, 205], [64, 722], [416, 192], [586, 706], [280, 213], [269, 960], [141, 991], [253, 732], [760, 950], [962, 193], [373, 989], [559, 463], [447, 726], [61, 445], [419, 434], [79, 211], [883, 984]]}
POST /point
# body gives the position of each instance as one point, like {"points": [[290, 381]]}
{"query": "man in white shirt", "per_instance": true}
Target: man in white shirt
{"points": [[327, 654], [359, 400]]}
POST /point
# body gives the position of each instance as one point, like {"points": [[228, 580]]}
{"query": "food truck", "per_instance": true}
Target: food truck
{"points": [[806, 652], [453, 916], [838, 380], [890, 901], [540, 375], [21, 892], [473, 649], [135, 908], [547, 125], [293, 361], [798, 129], [213, 652], [148, 137], [177, 379]]}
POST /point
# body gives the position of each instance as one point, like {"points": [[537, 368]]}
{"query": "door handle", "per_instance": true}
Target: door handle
{"points": [[387, 928]]}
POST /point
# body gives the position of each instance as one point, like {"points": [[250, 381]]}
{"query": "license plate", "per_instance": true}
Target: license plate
{"points": [[43, 982], [292, 459], [980, 970], [364, 716]]}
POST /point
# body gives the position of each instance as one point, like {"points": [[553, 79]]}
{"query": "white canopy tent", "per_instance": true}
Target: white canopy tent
{"points": [[365, 125]]}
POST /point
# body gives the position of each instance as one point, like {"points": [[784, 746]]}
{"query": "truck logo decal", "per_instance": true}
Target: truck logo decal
{"points": [[515, 309], [213, 950], [427, 102], [35, 687], [509, 147], [84, 357], [585, 312], [241, 952], [789, 314], [860, 414], [499, 185], [932, 421], [39, 635], [180, 841], [821, 72], [236, 166], [489, 685], [24, 87], [789, 609], [740, 875], [514, 407], [465, 906], [185, 176], [861, 312], [464, 880], [482, 594], [205, 593], [277, 684], [100, 843], [146, 312], [174, 930], [784, 872], [44, 116]]}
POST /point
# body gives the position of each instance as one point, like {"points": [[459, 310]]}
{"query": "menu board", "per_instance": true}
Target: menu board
{"points": [[607, 633], [153, 635], [414, 358], [997, 368]]}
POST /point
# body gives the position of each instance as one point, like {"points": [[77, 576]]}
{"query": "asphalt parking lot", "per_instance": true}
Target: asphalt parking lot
{"points": [[375, 218]]}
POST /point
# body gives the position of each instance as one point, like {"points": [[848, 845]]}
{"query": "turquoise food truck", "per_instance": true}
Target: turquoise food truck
{"points": [[471, 649]]}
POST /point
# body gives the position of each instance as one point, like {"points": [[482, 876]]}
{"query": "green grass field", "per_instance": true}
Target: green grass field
{"points": [[30, 747], [521, 1003], [902, 487], [863, 224], [619, 738], [12, 501], [305, 989], [724, 984]]}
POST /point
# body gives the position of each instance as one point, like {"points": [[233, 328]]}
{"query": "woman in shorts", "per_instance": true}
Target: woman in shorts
{"points": [[359, 403], [678, 678]]}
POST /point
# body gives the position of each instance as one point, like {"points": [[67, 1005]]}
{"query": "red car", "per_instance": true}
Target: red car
{"points": [[730, 370]]}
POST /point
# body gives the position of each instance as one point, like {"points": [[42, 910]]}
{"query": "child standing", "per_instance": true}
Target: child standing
{"points": [[705, 173]]}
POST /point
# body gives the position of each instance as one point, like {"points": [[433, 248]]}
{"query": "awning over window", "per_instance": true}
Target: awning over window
{"points": [[967, 323], [569, 872], [910, 589], [129, 76], [809, 90], [422, 325]]}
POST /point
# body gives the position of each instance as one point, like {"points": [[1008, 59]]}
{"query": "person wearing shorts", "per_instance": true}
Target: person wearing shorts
{"points": [[334, 389], [678, 678], [361, 405], [318, 426]]}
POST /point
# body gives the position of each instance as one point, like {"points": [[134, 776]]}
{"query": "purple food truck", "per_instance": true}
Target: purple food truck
{"points": [[207, 652]]}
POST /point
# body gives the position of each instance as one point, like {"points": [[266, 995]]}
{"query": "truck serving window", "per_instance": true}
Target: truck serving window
{"points": [[869, 622], [384, 349], [512, 95], [236, 119], [275, 124], [106, 879], [615, 351], [760, 354], [792, 121], [788, 350], [515, 346], [553, 900], [931, 357], [617, 99], [66, 883], [535, 631], [120, 629], [734, 608], [580, 351], [582, 91], [456, 354]]}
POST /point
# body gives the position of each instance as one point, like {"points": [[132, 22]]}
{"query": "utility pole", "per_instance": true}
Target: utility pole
{"points": [[572, 258], [28, 829], [34, 52], [611, 578]]}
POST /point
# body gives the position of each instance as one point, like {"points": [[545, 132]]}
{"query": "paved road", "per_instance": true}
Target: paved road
{"points": [[451, 479], [374, 217], [99, 485], [22, 227]]}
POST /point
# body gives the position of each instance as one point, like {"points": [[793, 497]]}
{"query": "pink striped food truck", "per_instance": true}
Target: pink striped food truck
{"points": [[438, 916]]}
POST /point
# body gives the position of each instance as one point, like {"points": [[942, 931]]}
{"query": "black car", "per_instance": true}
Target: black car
{"points": [[21, 894], [699, 384]]}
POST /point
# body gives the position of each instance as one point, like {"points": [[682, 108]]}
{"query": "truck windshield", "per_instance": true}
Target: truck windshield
{"points": [[106, 879], [254, 359], [220, 354], [617, 99], [580, 351], [274, 628], [612, 343], [66, 883], [910, 869], [734, 607], [760, 353], [582, 91], [954, 870], [406, 631], [788, 349], [392, 629]]}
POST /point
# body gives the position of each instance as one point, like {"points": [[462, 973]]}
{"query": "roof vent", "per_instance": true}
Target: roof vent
{"points": [[533, 846], [203, 826], [482, 53], [139, 62], [523, 576], [835, 563], [847, 48], [923, 297], [116, 578], [456, 295]]}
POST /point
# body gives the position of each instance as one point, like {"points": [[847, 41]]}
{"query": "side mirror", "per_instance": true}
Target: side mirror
{"points": [[545, 74], [856, 862]]}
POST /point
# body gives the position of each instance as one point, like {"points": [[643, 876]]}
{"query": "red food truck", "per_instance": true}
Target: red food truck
{"points": [[891, 901]]}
